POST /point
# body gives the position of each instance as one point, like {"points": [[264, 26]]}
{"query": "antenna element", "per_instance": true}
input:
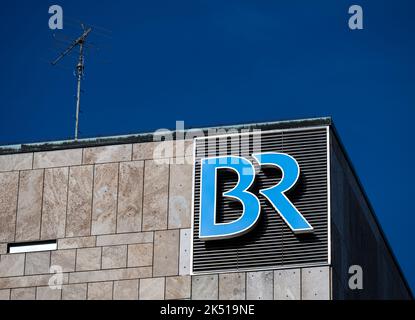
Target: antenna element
{"points": [[79, 69]]}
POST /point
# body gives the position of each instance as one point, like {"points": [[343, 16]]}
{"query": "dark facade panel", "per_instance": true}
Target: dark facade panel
{"points": [[357, 238], [271, 243]]}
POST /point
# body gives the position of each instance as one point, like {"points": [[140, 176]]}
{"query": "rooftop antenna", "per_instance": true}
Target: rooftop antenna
{"points": [[79, 68]]}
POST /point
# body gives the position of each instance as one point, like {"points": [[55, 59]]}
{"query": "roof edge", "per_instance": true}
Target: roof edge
{"points": [[149, 136]]}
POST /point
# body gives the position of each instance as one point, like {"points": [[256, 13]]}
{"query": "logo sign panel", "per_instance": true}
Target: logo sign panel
{"points": [[261, 208]]}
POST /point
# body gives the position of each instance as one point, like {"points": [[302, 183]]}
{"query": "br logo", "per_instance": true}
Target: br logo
{"points": [[210, 230]]}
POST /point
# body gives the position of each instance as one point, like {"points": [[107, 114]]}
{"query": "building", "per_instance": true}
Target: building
{"points": [[120, 218]]}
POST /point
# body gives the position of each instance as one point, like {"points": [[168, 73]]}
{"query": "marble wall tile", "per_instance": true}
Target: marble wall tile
{"points": [[8, 205], [37, 263], [29, 281], [12, 265], [54, 203], [287, 284], [77, 242], [166, 253], [46, 293], [125, 238], [29, 205], [74, 291], [180, 195], [78, 220], [104, 209], [315, 283], [105, 154], [151, 289], [114, 257], [205, 287], [259, 285], [64, 258], [156, 187], [58, 158], [126, 290], [232, 286], [162, 150], [23, 294], [5, 294], [100, 291], [88, 259], [130, 196], [154, 151], [109, 275], [178, 287], [19, 161], [140, 255]]}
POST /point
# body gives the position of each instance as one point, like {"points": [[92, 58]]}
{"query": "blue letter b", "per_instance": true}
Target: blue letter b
{"points": [[208, 228]]}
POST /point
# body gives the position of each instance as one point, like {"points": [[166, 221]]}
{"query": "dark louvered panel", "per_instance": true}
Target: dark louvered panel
{"points": [[271, 243]]}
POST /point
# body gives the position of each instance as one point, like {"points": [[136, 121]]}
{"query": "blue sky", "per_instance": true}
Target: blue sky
{"points": [[215, 62]]}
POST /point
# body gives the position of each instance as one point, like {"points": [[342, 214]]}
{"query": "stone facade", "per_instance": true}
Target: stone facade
{"points": [[122, 220]]}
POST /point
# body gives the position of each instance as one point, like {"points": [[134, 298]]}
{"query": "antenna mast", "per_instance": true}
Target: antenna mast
{"points": [[79, 69]]}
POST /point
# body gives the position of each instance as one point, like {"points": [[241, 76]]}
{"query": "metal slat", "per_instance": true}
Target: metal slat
{"points": [[276, 246]]}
